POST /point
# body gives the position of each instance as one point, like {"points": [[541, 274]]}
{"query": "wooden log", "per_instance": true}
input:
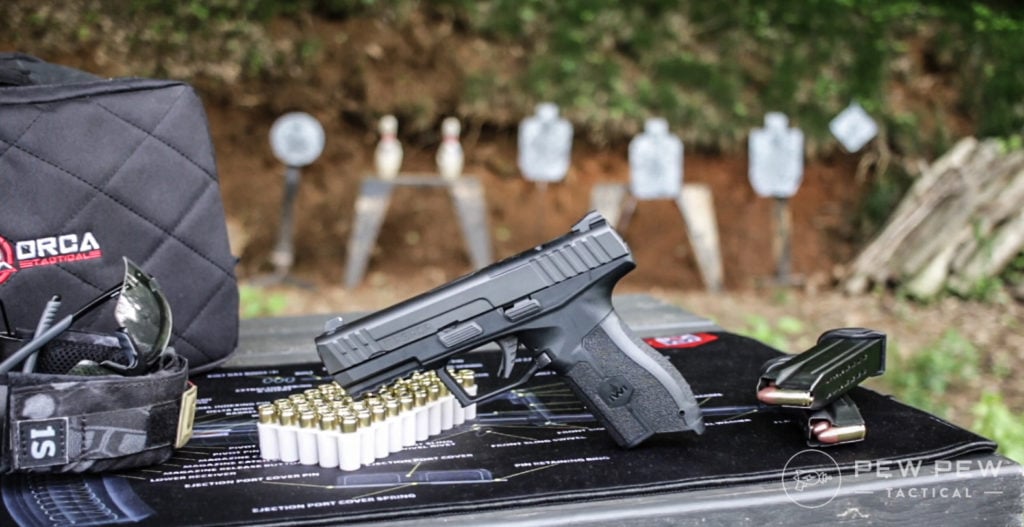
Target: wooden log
{"points": [[960, 223], [1007, 244], [947, 208], [872, 265], [998, 236], [998, 204], [952, 229], [931, 279]]}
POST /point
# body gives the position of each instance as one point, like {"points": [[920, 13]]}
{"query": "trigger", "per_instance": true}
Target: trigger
{"points": [[509, 346]]}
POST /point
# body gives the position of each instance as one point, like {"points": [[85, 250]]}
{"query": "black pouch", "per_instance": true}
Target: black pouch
{"points": [[93, 170]]}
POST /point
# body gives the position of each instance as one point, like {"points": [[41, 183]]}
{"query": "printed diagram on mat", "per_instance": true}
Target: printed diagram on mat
{"points": [[526, 441], [534, 446]]}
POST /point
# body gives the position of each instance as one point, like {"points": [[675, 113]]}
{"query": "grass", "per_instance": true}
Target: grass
{"points": [[951, 368], [257, 302], [925, 377], [944, 372], [780, 334], [994, 419]]}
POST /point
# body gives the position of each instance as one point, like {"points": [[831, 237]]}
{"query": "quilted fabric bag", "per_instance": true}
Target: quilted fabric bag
{"points": [[93, 170]]}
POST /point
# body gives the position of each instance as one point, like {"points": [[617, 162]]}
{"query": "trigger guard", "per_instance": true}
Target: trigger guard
{"points": [[541, 361]]}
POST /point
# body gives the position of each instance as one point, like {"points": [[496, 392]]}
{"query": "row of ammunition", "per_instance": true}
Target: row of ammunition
{"points": [[325, 426]]}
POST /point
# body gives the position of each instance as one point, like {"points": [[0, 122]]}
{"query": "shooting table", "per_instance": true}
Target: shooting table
{"points": [[539, 459]]}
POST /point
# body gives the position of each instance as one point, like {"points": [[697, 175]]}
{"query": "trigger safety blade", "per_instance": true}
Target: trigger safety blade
{"points": [[509, 345]]}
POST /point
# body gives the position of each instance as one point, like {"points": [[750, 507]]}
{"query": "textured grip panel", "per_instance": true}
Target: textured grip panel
{"points": [[619, 382]]}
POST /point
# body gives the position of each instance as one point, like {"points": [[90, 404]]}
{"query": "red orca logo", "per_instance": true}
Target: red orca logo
{"points": [[6, 260]]}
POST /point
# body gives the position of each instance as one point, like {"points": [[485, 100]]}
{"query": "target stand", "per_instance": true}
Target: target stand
{"points": [[696, 205], [467, 196]]}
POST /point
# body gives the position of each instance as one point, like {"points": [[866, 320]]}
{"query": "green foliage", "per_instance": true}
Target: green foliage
{"points": [[778, 335], [195, 14], [219, 37], [199, 12], [715, 70], [1012, 143], [953, 364], [309, 49], [987, 288], [711, 71], [340, 8], [993, 419], [1013, 275], [881, 198], [997, 31], [922, 379], [258, 302]]}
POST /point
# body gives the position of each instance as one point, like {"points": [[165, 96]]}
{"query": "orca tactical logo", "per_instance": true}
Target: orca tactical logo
{"points": [[48, 250]]}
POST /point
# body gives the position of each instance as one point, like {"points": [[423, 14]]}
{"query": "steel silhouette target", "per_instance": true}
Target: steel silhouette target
{"points": [[297, 139], [776, 157], [545, 145], [656, 162]]}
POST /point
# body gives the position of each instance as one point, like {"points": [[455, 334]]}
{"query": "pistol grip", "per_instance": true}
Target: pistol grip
{"points": [[634, 391]]}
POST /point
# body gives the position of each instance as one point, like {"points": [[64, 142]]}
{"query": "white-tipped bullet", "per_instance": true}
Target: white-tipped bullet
{"points": [[368, 437], [394, 424], [468, 379], [307, 439], [287, 438], [434, 409], [422, 415], [349, 444], [448, 404], [408, 419], [327, 441], [266, 428], [382, 441]]}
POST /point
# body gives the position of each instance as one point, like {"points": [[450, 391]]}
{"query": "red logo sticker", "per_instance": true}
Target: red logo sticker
{"points": [[689, 340], [6, 260]]}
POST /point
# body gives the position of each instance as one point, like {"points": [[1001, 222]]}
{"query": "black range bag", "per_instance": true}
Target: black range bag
{"points": [[93, 171]]}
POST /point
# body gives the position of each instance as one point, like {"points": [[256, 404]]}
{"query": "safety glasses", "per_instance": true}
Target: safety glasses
{"points": [[143, 317]]}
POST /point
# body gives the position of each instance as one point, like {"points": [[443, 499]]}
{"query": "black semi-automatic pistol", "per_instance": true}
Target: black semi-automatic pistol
{"points": [[554, 303]]}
